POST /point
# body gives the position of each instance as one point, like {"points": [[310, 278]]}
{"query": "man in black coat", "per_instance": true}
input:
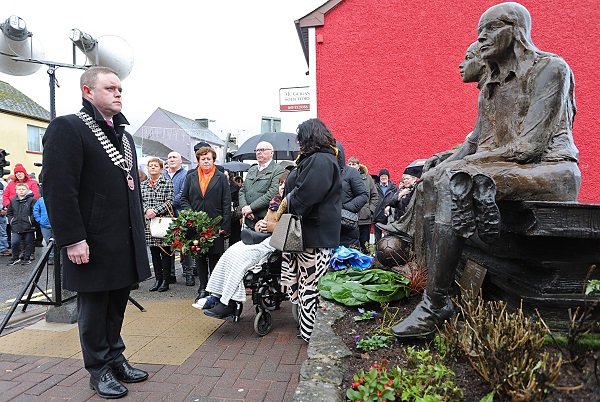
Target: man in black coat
{"points": [[92, 193]]}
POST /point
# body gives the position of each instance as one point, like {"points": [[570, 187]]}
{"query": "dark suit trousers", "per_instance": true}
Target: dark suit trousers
{"points": [[100, 318]]}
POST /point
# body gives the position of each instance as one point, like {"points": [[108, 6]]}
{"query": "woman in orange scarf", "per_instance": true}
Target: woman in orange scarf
{"points": [[206, 189]]}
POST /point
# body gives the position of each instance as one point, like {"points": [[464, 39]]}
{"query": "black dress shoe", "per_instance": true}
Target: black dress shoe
{"points": [[221, 311], [124, 372], [107, 386], [164, 286], [155, 287]]}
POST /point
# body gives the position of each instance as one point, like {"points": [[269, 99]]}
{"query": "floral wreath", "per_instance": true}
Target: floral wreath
{"points": [[192, 232]]}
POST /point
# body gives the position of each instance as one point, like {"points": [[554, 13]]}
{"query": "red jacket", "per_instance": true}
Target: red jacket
{"points": [[10, 190]]}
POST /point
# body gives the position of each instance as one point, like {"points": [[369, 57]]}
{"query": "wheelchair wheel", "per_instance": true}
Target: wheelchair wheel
{"points": [[267, 297], [263, 323]]}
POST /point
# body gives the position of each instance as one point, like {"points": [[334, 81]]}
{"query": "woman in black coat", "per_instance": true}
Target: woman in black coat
{"points": [[206, 189], [313, 190]]}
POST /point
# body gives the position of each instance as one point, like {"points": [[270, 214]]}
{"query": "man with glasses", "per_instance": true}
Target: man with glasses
{"points": [[260, 185]]}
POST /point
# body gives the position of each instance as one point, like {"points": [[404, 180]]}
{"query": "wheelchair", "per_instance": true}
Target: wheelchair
{"points": [[265, 283]]}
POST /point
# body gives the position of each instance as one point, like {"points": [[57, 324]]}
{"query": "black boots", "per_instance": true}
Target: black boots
{"points": [[487, 212], [474, 206], [155, 287], [164, 286], [189, 280], [445, 249]]}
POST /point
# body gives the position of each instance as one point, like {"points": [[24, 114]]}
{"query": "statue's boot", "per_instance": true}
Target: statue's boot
{"points": [[395, 229], [445, 249], [463, 218], [487, 212]]}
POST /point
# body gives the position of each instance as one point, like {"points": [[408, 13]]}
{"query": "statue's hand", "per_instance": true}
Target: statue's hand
{"points": [[436, 159]]}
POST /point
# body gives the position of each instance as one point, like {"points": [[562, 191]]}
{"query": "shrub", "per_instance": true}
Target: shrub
{"points": [[503, 348]]}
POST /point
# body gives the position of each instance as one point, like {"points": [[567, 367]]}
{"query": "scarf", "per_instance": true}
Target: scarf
{"points": [[274, 203], [204, 179]]}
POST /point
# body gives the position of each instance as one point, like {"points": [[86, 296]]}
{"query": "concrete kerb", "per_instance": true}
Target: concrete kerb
{"points": [[322, 373]]}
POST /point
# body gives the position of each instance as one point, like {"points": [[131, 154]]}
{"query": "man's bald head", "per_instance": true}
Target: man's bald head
{"points": [[264, 152], [174, 161]]}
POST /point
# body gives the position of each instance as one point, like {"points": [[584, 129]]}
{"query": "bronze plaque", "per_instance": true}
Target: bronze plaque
{"points": [[472, 277]]}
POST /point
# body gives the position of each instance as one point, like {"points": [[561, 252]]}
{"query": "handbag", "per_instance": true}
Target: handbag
{"points": [[249, 236], [287, 236], [349, 219], [159, 225]]}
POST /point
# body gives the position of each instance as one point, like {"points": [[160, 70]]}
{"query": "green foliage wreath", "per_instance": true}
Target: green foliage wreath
{"points": [[354, 287], [193, 232]]}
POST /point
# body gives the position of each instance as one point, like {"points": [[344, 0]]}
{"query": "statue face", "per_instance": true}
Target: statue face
{"points": [[472, 68], [495, 36]]}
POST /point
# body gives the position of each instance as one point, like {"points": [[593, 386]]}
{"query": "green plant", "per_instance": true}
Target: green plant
{"points": [[425, 380], [593, 287], [503, 348], [365, 315], [354, 287], [373, 342]]}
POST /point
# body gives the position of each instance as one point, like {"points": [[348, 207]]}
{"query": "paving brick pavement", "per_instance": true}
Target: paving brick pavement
{"points": [[233, 364]]}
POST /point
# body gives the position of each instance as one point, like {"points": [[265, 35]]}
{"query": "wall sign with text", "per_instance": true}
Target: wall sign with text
{"points": [[295, 99]]}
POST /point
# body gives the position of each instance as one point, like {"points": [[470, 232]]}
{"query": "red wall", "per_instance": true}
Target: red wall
{"points": [[388, 84]]}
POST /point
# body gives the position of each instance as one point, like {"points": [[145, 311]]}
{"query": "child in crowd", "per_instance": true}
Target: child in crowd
{"points": [[22, 224], [41, 216]]}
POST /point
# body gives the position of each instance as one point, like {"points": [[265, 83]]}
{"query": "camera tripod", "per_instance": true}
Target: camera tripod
{"points": [[32, 284]]}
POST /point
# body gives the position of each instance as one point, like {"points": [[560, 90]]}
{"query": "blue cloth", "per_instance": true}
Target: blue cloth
{"points": [[40, 214], [344, 257]]}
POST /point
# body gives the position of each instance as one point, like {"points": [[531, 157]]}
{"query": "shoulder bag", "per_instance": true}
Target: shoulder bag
{"points": [[287, 236], [160, 224], [349, 219]]}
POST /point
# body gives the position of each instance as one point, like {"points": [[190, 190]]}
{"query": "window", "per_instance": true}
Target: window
{"points": [[34, 138]]}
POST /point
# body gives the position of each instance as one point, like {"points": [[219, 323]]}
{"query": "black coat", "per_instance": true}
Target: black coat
{"points": [[384, 201], [354, 197], [20, 214], [216, 201], [314, 191], [87, 198]]}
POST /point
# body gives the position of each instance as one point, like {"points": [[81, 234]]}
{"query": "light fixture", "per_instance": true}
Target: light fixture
{"points": [[20, 55], [107, 51], [17, 41]]}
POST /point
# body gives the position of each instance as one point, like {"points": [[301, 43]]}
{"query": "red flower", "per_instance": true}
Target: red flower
{"points": [[177, 231], [378, 393], [190, 222]]}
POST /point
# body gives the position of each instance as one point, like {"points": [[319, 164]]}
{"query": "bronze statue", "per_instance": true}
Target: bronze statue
{"points": [[521, 149], [409, 226]]}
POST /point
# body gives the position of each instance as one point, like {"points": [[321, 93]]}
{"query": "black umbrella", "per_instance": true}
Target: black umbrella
{"points": [[284, 146], [236, 166]]}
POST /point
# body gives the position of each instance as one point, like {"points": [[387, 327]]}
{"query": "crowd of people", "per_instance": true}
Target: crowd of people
{"points": [[98, 204]]}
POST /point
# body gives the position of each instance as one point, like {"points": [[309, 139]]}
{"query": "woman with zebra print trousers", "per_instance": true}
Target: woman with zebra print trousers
{"points": [[313, 190]]}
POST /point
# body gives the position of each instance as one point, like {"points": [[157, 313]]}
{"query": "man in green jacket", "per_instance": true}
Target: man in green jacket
{"points": [[260, 186]]}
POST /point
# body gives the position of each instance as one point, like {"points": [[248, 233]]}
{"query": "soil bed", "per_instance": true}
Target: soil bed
{"points": [[585, 388]]}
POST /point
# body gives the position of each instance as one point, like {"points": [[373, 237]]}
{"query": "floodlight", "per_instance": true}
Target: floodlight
{"points": [[17, 41], [107, 51]]}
